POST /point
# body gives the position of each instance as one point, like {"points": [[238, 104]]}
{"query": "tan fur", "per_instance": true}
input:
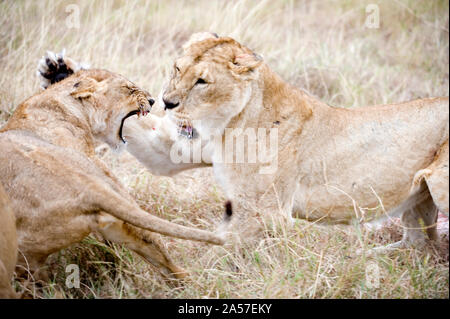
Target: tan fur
{"points": [[333, 164], [59, 190], [8, 246]]}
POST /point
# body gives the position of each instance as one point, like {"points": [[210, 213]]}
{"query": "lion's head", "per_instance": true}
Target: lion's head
{"points": [[210, 84], [109, 99]]}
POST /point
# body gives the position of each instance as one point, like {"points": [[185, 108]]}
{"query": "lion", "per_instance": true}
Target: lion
{"points": [[8, 246], [60, 191], [331, 163]]}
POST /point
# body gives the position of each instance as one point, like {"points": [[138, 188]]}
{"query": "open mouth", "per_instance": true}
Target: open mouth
{"points": [[134, 112], [187, 130]]}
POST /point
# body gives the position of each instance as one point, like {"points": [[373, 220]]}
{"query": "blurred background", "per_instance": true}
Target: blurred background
{"points": [[347, 53], [327, 47]]}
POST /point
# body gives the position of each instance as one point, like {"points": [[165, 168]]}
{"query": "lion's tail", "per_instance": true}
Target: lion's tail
{"points": [[227, 218], [55, 67]]}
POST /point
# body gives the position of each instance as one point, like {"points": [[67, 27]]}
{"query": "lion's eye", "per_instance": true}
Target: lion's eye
{"points": [[200, 81], [177, 68]]}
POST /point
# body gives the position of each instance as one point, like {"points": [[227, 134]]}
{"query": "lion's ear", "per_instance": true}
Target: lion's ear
{"points": [[243, 63], [84, 88], [199, 36]]}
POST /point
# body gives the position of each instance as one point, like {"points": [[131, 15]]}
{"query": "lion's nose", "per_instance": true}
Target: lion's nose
{"points": [[169, 104], [151, 101]]}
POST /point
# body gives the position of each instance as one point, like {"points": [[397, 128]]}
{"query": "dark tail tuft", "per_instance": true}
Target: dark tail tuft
{"points": [[228, 211]]}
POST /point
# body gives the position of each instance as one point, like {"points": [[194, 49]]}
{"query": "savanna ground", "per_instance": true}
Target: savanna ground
{"points": [[323, 47]]}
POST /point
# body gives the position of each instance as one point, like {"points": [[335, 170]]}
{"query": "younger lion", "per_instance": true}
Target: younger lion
{"points": [[8, 246], [60, 191]]}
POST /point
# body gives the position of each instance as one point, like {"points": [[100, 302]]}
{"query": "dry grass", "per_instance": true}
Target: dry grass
{"points": [[321, 46]]}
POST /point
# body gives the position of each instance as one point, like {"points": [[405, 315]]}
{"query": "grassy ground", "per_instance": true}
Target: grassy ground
{"points": [[321, 46]]}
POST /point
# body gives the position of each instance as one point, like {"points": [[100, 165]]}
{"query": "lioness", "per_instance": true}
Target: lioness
{"points": [[331, 163], [60, 191], [8, 246]]}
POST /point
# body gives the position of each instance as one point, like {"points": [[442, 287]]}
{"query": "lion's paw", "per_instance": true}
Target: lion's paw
{"points": [[55, 67]]}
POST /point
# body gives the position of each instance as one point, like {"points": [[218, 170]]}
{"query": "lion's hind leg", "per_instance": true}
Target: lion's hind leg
{"points": [[418, 207], [425, 210], [437, 178], [430, 195]]}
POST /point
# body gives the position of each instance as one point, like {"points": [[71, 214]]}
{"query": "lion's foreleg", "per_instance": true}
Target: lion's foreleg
{"points": [[145, 243]]}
